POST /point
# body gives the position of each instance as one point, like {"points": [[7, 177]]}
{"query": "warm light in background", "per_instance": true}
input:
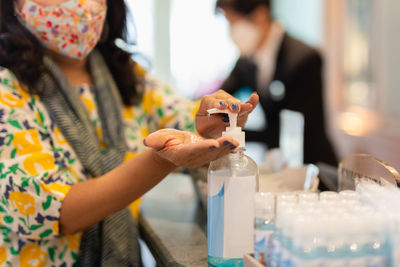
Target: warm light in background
{"points": [[357, 121]]}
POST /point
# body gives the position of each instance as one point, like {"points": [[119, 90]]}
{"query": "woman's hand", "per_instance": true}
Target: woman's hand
{"points": [[212, 126], [187, 149]]}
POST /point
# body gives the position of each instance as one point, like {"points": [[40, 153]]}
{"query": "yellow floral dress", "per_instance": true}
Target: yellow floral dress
{"points": [[38, 166]]}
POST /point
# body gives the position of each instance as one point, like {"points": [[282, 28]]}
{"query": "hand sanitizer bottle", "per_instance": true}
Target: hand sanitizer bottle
{"points": [[232, 184]]}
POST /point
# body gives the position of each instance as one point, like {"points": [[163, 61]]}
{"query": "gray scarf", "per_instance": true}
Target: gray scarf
{"points": [[113, 241]]}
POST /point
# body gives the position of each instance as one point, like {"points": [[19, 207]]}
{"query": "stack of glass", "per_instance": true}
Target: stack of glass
{"points": [[331, 229]]}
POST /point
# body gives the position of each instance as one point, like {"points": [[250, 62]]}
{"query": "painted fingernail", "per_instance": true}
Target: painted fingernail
{"points": [[235, 106], [227, 143], [222, 104], [225, 118], [213, 147], [233, 147]]}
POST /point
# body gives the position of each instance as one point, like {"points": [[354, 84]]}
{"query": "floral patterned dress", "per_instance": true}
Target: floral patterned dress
{"points": [[38, 166]]}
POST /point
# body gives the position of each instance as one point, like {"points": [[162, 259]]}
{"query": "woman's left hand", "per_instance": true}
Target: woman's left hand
{"points": [[188, 149], [212, 126]]}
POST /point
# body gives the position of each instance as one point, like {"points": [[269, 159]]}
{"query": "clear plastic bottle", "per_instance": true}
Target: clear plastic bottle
{"points": [[232, 184], [328, 196], [355, 240], [285, 201], [308, 197], [377, 246], [305, 250], [349, 195], [286, 239], [264, 226]]}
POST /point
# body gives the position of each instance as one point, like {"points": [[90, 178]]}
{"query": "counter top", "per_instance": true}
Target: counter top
{"points": [[173, 223]]}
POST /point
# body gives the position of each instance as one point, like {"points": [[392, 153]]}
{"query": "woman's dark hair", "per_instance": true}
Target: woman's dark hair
{"points": [[244, 7], [22, 52]]}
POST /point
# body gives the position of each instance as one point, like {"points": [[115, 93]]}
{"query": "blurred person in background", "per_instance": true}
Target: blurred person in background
{"points": [[285, 72]]}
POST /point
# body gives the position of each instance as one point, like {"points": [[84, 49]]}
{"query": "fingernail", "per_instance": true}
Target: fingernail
{"points": [[225, 118], [222, 104], [227, 143], [235, 106], [213, 147], [233, 147]]}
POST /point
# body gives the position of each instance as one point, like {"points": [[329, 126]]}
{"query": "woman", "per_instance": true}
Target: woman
{"points": [[73, 107]]}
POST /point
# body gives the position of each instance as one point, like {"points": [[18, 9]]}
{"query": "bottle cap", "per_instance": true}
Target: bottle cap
{"points": [[232, 131], [329, 196], [349, 195], [308, 197]]}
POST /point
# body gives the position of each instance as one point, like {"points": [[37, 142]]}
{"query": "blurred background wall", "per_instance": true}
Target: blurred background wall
{"points": [[186, 44]]}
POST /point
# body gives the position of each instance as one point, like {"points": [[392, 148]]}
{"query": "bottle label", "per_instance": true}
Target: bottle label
{"points": [[230, 216], [376, 261], [395, 249], [262, 239], [286, 257], [335, 262], [309, 263], [357, 262], [276, 250]]}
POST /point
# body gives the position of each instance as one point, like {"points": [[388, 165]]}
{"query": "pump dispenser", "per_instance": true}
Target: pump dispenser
{"points": [[233, 131], [232, 184]]}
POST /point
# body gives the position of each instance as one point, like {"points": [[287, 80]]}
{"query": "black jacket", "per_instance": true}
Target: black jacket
{"points": [[299, 68]]}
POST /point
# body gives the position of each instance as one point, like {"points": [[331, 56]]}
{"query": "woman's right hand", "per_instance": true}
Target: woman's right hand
{"points": [[188, 149]]}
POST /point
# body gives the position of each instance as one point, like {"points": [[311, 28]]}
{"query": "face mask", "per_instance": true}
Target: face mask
{"points": [[71, 28], [246, 36]]}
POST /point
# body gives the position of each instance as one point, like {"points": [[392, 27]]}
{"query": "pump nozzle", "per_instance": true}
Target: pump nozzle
{"points": [[233, 131]]}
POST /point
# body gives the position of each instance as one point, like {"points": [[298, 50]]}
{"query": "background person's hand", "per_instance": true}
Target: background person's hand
{"points": [[187, 149], [212, 127]]}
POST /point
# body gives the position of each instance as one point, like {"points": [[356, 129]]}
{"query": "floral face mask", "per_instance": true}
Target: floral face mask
{"points": [[71, 28]]}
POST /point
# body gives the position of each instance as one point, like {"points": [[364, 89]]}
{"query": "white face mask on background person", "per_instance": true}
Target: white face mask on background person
{"points": [[71, 27], [246, 36]]}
